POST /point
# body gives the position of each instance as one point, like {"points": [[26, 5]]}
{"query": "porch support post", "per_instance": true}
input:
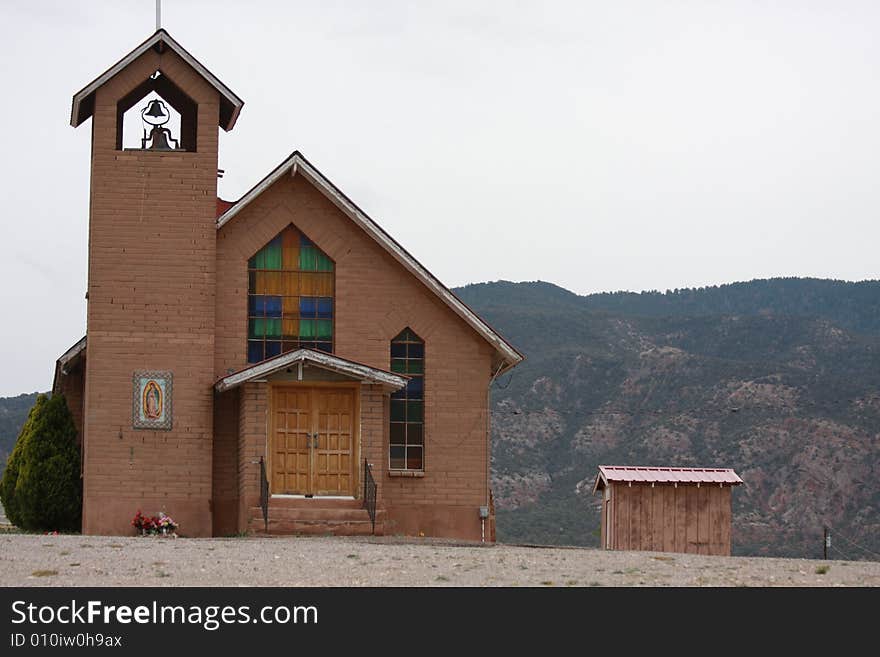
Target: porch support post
{"points": [[253, 420], [373, 428]]}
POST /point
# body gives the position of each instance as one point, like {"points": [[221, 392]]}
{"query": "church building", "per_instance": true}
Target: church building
{"points": [[273, 364]]}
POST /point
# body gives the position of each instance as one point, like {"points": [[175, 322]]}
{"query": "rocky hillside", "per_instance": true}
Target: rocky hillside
{"points": [[786, 390]]}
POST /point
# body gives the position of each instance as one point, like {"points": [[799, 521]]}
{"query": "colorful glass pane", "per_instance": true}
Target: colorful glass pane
{"points": [[408, 405], [255, 351], [307, 306], [324, 307], [273, 306], [290, 297], [323, 329], [323, 263], [308, 258], [273, 327], [398, 410]]}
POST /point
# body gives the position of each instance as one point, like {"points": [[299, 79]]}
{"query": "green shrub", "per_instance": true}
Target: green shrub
{"points": [[41, 488], [10, 474]]}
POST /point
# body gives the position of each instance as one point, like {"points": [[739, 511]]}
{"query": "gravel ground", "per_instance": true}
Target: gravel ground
{"points": [[70, 560]]}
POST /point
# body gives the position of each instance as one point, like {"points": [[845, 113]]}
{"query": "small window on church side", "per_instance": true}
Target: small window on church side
{"points": [[407, 441], [290, 297]]}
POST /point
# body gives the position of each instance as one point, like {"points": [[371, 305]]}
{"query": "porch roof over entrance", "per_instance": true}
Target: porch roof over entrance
{"points": [[320, 359]]}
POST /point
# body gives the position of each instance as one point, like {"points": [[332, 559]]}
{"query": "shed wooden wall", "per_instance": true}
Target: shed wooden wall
{"points": [[665, 518]]}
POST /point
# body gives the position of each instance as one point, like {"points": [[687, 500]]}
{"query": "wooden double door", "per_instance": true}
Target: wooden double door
{"points": [[312, 440]]}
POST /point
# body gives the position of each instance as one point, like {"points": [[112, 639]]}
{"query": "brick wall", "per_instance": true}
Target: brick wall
{"points": [[224, 501], [151, 306], [252, 428], [375, 299], [71, 386]]}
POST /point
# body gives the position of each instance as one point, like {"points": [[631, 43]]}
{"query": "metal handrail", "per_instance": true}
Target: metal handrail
{"points": [[264, 493], [370, 493]]}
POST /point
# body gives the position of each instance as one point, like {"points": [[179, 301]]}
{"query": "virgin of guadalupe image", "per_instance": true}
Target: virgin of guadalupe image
{"points": [[152, 401]]}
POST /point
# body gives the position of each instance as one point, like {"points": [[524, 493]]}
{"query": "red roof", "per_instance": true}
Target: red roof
{"points": [[627, 473], [223, 206]]}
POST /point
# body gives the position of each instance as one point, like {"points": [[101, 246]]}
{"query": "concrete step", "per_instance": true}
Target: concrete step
{"points": [[340, 519], [315, 528], [342, 514], [314, 503]]}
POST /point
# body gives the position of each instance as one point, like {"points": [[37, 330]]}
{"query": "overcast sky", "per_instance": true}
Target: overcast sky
{"points": [[596, 145]]}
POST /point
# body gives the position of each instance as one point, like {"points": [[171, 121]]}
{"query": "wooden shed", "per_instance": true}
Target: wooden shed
{"points": [[666, 509]]}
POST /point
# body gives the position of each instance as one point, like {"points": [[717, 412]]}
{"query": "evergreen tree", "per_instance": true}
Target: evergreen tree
{"points": [[41, 488]]}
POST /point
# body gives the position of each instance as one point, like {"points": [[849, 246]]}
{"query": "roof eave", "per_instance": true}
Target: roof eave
{"points": [[358, 371], [78, 116], [60, 365], [610, 474]]}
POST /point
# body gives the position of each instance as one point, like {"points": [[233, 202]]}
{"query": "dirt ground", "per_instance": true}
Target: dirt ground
{"points": [[70, 560]]}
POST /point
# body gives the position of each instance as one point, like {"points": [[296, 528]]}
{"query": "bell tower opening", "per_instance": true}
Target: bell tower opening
{"points": [[157, 115]]}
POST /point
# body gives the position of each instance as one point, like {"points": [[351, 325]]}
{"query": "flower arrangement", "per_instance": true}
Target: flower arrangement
{"points": [[162, 524], [166, 524], [143, 524]]}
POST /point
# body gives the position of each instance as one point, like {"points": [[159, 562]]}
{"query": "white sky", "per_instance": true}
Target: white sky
{"points": [[596, 145]]}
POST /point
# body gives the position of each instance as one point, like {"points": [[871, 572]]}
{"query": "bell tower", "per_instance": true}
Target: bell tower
{"points": [[148, 401]]}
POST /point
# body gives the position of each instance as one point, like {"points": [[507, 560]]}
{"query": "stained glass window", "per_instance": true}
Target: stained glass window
{"points": [[290, 297], [407, 441]]}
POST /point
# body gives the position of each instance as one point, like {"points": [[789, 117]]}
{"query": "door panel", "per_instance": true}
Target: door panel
{"points": [[290, 444], [335, 419], [300, 465]]}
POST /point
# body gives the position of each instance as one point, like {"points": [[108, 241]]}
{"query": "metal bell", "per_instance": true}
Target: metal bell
{"points": [[155, 109], [159, 140]]}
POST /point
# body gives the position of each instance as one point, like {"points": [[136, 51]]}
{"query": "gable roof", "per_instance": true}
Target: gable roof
{"points": [[651, 475], [321, 359], [296, 163], [84, 100], [67, 360]]}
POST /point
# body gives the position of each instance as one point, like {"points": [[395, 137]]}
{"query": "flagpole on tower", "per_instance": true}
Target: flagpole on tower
{"points": [[158, 15]]}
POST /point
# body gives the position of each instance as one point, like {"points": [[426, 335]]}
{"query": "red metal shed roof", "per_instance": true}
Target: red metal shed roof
{"points": [[644, 474]]}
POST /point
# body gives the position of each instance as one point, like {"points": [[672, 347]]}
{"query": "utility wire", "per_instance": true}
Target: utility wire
{"points": [[840, 552], [853, 543], [507, 385]]}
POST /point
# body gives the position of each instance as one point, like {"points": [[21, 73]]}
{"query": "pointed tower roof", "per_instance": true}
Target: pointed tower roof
{"points": [[84, 100]]}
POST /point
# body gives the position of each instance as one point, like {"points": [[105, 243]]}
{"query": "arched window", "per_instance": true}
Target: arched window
{"points": [[290, 297], [407, 442]]}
